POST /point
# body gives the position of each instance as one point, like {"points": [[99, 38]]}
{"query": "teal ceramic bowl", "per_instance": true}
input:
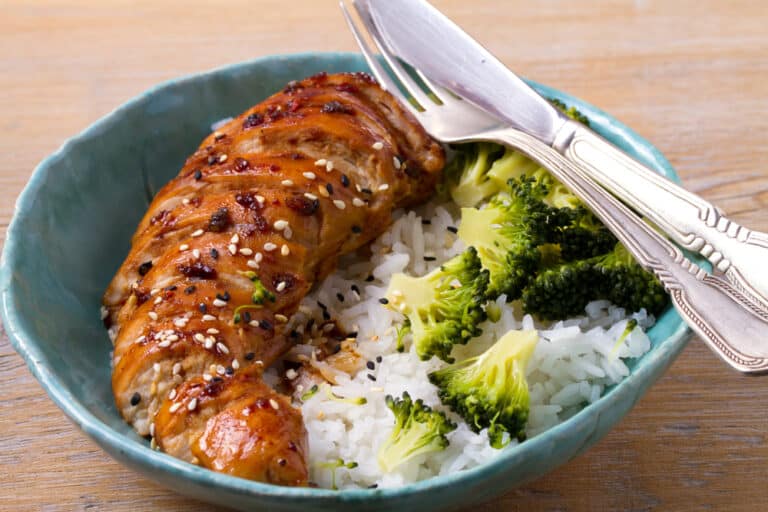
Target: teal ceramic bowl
{"points": [[72, 228]]}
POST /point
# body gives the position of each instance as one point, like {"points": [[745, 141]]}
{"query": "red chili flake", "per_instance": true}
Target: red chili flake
{"points": [[220, 220], [302, 205], [142, 295], [253, 120], [212, 389], [293, 105], [198, 270], [347, 87], [288, 279], [274, 167], [159, 217], [292, 87], [247, 200], [319, 77], [241, 164], [334, 107], [261, 223]]}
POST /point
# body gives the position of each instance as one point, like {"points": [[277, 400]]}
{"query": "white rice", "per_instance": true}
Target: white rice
{"points": [[574, 360]]}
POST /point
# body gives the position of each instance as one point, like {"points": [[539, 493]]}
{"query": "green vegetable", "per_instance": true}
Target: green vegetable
{"points": [[418, 430], [631, 325], [444, 307], [258, 297], [490, 390], [467, 173], [309, 393], [352, 401], [333, 465]]}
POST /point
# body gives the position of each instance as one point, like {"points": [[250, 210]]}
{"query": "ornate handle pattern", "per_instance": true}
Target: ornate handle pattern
{"points": [[734, 327], [694, 223]]}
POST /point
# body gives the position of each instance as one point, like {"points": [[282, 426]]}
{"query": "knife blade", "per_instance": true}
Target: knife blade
{"points": [[461, 65]]}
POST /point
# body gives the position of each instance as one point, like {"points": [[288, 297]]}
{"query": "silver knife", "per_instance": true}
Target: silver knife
{"points": [[424, 38]]}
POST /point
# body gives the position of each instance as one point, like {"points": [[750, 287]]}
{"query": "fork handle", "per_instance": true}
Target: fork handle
{"points": [[694, 223], [734, 329]]}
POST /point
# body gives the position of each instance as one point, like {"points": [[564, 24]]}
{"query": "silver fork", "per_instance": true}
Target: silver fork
{"points": [[729, 323]]}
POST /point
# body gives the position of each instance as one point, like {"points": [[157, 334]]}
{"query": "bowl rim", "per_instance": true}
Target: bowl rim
{"points": [[26, 346]]}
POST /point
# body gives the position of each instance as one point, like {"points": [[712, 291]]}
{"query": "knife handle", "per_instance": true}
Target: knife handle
{"points": [[694, 223]]}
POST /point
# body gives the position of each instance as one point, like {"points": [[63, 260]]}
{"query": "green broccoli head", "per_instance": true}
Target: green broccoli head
{"points": [[571, 112], [491, 391], [467, 173], [584, 236], [564, 290], [507, 232], [418, 430], [444, 307]]}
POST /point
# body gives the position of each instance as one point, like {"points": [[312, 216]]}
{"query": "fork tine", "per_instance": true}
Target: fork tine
{"points": [[441, 92], [409, 83]]}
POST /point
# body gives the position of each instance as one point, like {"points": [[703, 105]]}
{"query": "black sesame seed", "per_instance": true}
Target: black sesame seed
{"points": [[369, 279], [321, 305], [329, 188], [189, 290], [429, 258], [202, 307], [294, 333], [214, 254], [217, 379], [426, 222], [344, 180], [370, 365], [198, 174], [135, 399], [452, 229], [266, 325], [355, 289], [352, 334], [211, 159], [340, 297], [310, 323], [229, 370], [326, 316], [384, 300], [371, 377], [249, 356], [357, 229], [379, 359], [366, 191], [144, 268], [223, 296], [281, 462], [373, 486], [247, 316], [170, 288]]}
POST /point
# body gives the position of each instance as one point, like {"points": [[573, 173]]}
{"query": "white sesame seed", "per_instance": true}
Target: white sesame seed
{"points": [[321, 162], [245, 251], [152, 429], [291, 374], [209, 343], [219, 303], [311, 197], [235, 364], [269, 246], [280, 286], [288, 233], [175, 407], [196, 253], [152, 315], [280, 224], [274, 404], [140, 339], [180, 322], [285, 250], [223, 158], [258, 257], [197, 233], [384, 186], [153, 444], [207, 377], [378, 146], [222, 348], [281, 318], [172, 395], [358, 202], [286, 183], [212, 331], [165, 343], [253, 323], [185, 201], [322, 191], [396, 162], [252, 264], [309, 175], [235, 239], [183, 247], [329, 166], [260, 200], [358, 187], [156, 367], [192, 405], [338, 203], [104, 313], [176, 368], [232, 249], [217, 135], [208, 318], [158, 300], [220, 370], [154, 291], [199, 337], [377, 389]]}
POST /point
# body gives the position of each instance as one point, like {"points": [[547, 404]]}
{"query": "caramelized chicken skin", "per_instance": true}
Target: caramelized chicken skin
{"points": [[229, 248]]}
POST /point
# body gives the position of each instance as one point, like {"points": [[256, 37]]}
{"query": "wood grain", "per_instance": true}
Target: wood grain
{"points": [[690, 75]]}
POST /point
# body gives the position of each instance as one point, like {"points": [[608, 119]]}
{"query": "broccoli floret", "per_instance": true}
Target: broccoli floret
{"points": [[467, 173], [490, 390], [418, 430], [506, 234], [565, 289], [259, 295], [444, 307], [571, 112], [584, 236]]}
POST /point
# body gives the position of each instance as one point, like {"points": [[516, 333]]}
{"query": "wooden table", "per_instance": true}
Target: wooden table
{"points": [[690, 75]]}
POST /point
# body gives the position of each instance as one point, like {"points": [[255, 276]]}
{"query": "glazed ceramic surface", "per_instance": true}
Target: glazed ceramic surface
{"points": [[72, 229]]}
